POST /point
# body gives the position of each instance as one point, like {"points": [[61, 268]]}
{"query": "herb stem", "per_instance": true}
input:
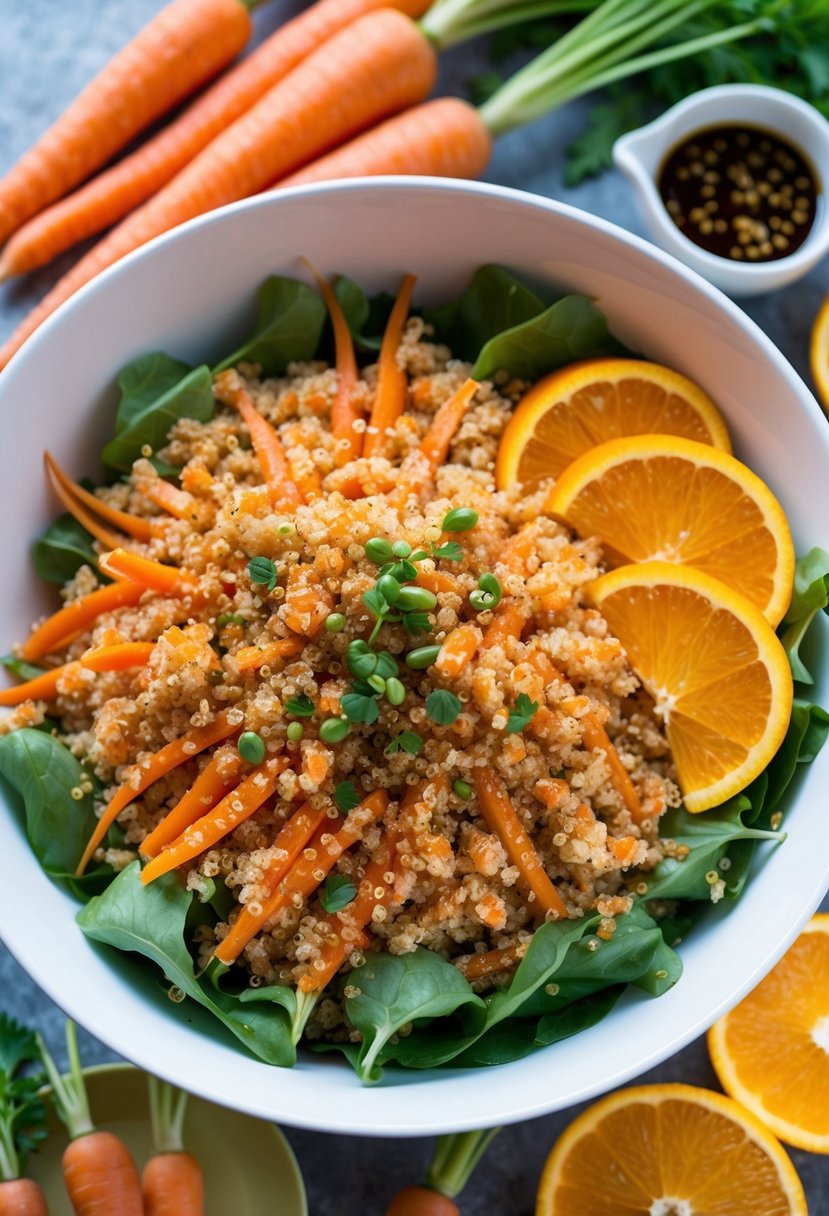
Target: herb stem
{"points": [[451, 21], [70, 1091], [168, 1106], [455, 1158]]}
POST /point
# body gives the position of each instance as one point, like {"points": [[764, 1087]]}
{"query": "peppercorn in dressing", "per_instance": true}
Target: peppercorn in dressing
{"points": [[740, 193]]}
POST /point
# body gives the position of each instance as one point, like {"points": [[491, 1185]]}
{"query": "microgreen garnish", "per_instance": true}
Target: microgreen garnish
{"points": [[334, 730], [389, 588], [378, 550], [361, 659], [403, 571], [460, 520], [442, 707], [295, 731], [489, 593], [449, 552], [229, 618], [263, 571], [401, 548], [386, 665], [521, 713], [346, 796], [300, 707], [416, 599], [395, 691], [358, 707], [251, 747], [407, 741], [335, 622], [422, 658], [416, 622], [463, 789], [375, 601], [337, 892]]}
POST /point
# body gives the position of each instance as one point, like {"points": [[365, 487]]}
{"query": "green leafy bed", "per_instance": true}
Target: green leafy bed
{"points": [[417, 1010]]}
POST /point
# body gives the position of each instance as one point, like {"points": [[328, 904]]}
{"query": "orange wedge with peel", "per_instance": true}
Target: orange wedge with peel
{"points": [[663, 498], [819, 354], [587, 403], [716, 670], [668, 1150], [771, 1053]]}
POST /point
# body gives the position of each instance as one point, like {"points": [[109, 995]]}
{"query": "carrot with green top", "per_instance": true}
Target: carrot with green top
{"points": [[283, 491], [216, 779], [498, 813], [178, 51], [457, 650], [304, 876], [68, 490], [148, 574], [142, 775], [220, 821], [58, 630], [250, 658], [172, 1180], [344, 410], [392, 382]]}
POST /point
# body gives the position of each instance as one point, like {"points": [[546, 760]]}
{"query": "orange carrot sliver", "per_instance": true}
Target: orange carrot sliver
{"points": [[307, 602], [392, 383], [273, 462], [59, 629], [40, 688], [118, 657], [250, 658], [224, 818], [436, 582], [435, 443], [148, 574], [499, 815], [150, 770], [457, 650], [218, 776], [596, 738], [508, 622], [133, 525], [344, 412], [170, 498], [478, 966]]}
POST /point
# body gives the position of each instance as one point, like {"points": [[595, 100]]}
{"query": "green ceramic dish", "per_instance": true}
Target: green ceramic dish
{"points": [[249, 1167]]}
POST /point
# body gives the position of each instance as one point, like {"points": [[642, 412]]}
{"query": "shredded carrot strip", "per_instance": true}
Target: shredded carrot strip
{"points": [[139, 529], [170, 498], [344, 412], [508, 621], [435, 443], [218, 776], [150, 575], [118, 657], [458, 649], [60, 628], [142, 775], [478, 966], [373, 891], [392, 383], [307, 601], [520, 548], [500, 817], [304, 876], [596, 739], [224, 818], [308, 483], [266, 443], [623, 848], [436, 582], [250, 658], [41, 688]]}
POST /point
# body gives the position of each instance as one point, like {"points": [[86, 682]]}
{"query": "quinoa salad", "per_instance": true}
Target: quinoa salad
{"points": [[347, 706]]}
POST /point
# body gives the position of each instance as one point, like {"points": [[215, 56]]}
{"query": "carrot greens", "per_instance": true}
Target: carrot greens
{"points": [[22, 1112]]}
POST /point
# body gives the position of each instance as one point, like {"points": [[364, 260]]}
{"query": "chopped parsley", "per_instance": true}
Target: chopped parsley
{"points": [[262, 570], [337, 892], [442, 707], [358, 707], [521, 713], [300, 707], [346, 796], [407, 741]]}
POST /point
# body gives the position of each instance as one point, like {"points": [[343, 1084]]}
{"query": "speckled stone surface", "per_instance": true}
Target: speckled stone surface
{"points": [[48, 49]]}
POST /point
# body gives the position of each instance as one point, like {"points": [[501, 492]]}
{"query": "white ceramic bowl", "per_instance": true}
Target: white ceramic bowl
{"points": [[190, 293], [639, 155]]}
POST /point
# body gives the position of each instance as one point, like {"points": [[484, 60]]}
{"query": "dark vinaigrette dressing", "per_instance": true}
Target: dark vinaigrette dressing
{"points": [[740, 192]]}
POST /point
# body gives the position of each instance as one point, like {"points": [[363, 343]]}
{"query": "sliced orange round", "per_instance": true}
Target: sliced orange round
{"points": [[668, 1150], [772, 1052], [662, 498], [714, 667], [587, 403], [819, 354]]}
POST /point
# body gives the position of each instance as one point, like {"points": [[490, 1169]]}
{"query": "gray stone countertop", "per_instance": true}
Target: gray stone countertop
{"points": [[48, 49]]}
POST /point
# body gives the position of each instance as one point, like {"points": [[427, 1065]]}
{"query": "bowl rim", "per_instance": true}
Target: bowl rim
{"points": [[513, 1107]]}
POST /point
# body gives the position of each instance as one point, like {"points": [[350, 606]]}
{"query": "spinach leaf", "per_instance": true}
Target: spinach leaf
{"points": [[517, 1037], [61, 550], [581, 1015], [395, 990], [494, 301], [150, 920], [572, 328], [20, 668], [43, 772], [366, 315], [156, 391], [291, 317], [807, 733], [810, 594]]}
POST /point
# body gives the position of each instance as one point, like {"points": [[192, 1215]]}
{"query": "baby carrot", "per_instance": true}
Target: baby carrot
{"points": [[500, 817], [143, 774], [392, 383], [22, 1197], [140, 529], [148, 574], [435, 444], [218, 776], [344, 412], [172, 1180], [58, 630], [422, 1201], [334, 93], [273, 462], [220, 821], [182, 47], [41, 688]]}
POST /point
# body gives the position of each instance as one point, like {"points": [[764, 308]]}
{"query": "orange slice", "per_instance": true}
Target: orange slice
{"points": [[819, 354], [713, 665], [587, 403], [668, 1150], [772, 1052], [659, 497]]}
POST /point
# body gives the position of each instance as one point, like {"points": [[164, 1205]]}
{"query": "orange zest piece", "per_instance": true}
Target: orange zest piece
{"points": [[392, 383], [143, 774], [344, 411], [270, 453], [59, 629], [251, 658], [668, 1149], [771, 1052], [75, 498], [304, 876], [218, 776], [224, 818], [499, 815], [457, 651], [148, 574], [119, 657]]}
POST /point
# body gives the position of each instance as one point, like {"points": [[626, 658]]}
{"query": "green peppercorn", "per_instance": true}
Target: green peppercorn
{"points": [[463, 789], [335, 622], [334, 730], [378, 550], [377, 683], [295, 731], [460, 520], [395, 691], [401, 548], [423, 657], [251, 748], [416, 599], [389, 588]]}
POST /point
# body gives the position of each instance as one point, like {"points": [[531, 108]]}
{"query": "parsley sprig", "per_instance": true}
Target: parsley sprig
{"points": [[22, 1113], [521, 713], [337, 893]]}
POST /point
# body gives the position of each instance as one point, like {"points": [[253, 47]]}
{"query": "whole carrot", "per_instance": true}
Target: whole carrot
{"points": [[182, 47], [98, 1171], [111, 195], [172, 1179], [454, 1159], [22, 1119], [378, 65], [22, 1197], [421, 1201]]}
